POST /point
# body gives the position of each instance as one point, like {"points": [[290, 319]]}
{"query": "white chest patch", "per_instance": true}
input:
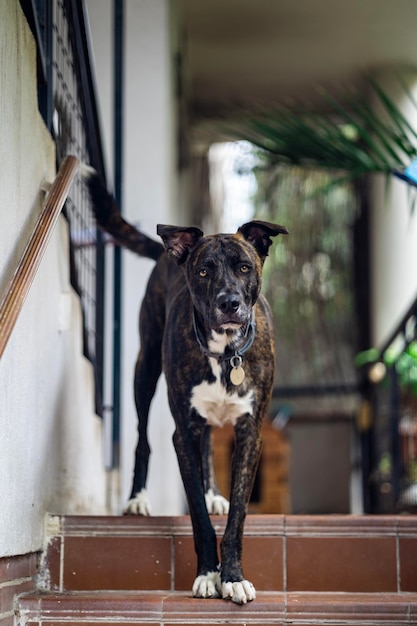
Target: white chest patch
{"points": [[216, 405]]}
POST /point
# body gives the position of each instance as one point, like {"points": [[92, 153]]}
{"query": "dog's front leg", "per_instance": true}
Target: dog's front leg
{"points": [[207, 582], [244, 465]]}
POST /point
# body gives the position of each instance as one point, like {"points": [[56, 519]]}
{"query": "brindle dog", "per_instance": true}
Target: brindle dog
{"points": [[205, 323]]}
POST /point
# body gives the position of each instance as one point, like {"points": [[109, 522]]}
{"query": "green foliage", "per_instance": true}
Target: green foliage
{"points": [[306, 164], [404, 359], [308, 277], [350, 137], [406, 367]]}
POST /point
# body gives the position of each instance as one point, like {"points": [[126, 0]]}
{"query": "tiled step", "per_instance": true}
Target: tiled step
{"points": [[169, 608], [308, 570], [349, 554]]}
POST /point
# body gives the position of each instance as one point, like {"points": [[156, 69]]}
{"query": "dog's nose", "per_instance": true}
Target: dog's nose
{"points": [[228, 303]]}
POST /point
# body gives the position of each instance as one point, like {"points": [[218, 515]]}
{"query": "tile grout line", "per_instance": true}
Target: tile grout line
{"points": [[284, 565], [61, 563], [397, 555], [172, 563], [15, 582]]}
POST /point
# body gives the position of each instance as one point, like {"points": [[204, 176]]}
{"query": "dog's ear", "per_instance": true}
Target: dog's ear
{"points": [[258, 233], [178, 240]]}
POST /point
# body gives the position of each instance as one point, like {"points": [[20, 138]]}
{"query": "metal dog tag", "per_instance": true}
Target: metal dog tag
{"points": [[237, 373]]}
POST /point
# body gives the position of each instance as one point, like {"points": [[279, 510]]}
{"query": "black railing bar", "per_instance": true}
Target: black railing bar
{"points": [[401, 329], [86, 237], [118, 60], [31, 14]]}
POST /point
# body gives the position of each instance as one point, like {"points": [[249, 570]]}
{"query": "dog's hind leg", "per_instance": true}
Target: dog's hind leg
{"points": [[147, 372], [146, 377], [216, 504]]}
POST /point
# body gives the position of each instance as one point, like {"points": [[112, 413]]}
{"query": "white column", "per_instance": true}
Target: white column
{"points": [[149, 197], [393, 230]]}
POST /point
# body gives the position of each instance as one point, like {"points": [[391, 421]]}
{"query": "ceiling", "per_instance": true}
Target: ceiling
{"points": [[250, 53]]}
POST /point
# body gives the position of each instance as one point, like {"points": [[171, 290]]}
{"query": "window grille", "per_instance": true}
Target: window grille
{"points": [[67, 102]]}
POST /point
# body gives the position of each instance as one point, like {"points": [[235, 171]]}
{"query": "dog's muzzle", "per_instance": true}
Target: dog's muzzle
{"points": [[228, 303], [230, 311]]}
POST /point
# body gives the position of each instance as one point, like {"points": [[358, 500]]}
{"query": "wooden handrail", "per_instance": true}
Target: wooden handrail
{"points": [[25, 272]]}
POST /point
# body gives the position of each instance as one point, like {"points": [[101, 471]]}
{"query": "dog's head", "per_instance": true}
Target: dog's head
{"points": [[223, 272]]}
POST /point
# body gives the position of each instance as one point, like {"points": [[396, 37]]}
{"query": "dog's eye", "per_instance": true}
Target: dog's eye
{"points": [[244, 269], [203, 273]]}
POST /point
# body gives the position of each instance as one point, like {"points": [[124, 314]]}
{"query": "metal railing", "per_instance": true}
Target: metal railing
{"points": [[393, 376]]}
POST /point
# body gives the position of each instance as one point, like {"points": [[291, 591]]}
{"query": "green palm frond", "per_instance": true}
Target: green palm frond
{"points": [[352, 137]]}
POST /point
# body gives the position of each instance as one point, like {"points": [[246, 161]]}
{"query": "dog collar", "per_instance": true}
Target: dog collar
{"points": [[237, 373]]}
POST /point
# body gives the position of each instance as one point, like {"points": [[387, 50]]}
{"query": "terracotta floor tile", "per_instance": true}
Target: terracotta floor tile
{"points": [[346, 608], [407, 525], [262, 562], [132, 563], [184, 563], [150, 608], [126, 525], [341, 525], [265, 525], [408, 564], [108, 605], [181, 607], [172, 609], [413, 611], [341, 564]]}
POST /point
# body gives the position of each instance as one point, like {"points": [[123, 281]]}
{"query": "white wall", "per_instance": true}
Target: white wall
{"points": [[393, 233], [149, 193], [50, 443]]}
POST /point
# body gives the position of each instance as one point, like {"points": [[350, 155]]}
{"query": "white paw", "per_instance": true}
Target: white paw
{"points": [[139, 505], [207, 586], [216, 504], [240, 592]]}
